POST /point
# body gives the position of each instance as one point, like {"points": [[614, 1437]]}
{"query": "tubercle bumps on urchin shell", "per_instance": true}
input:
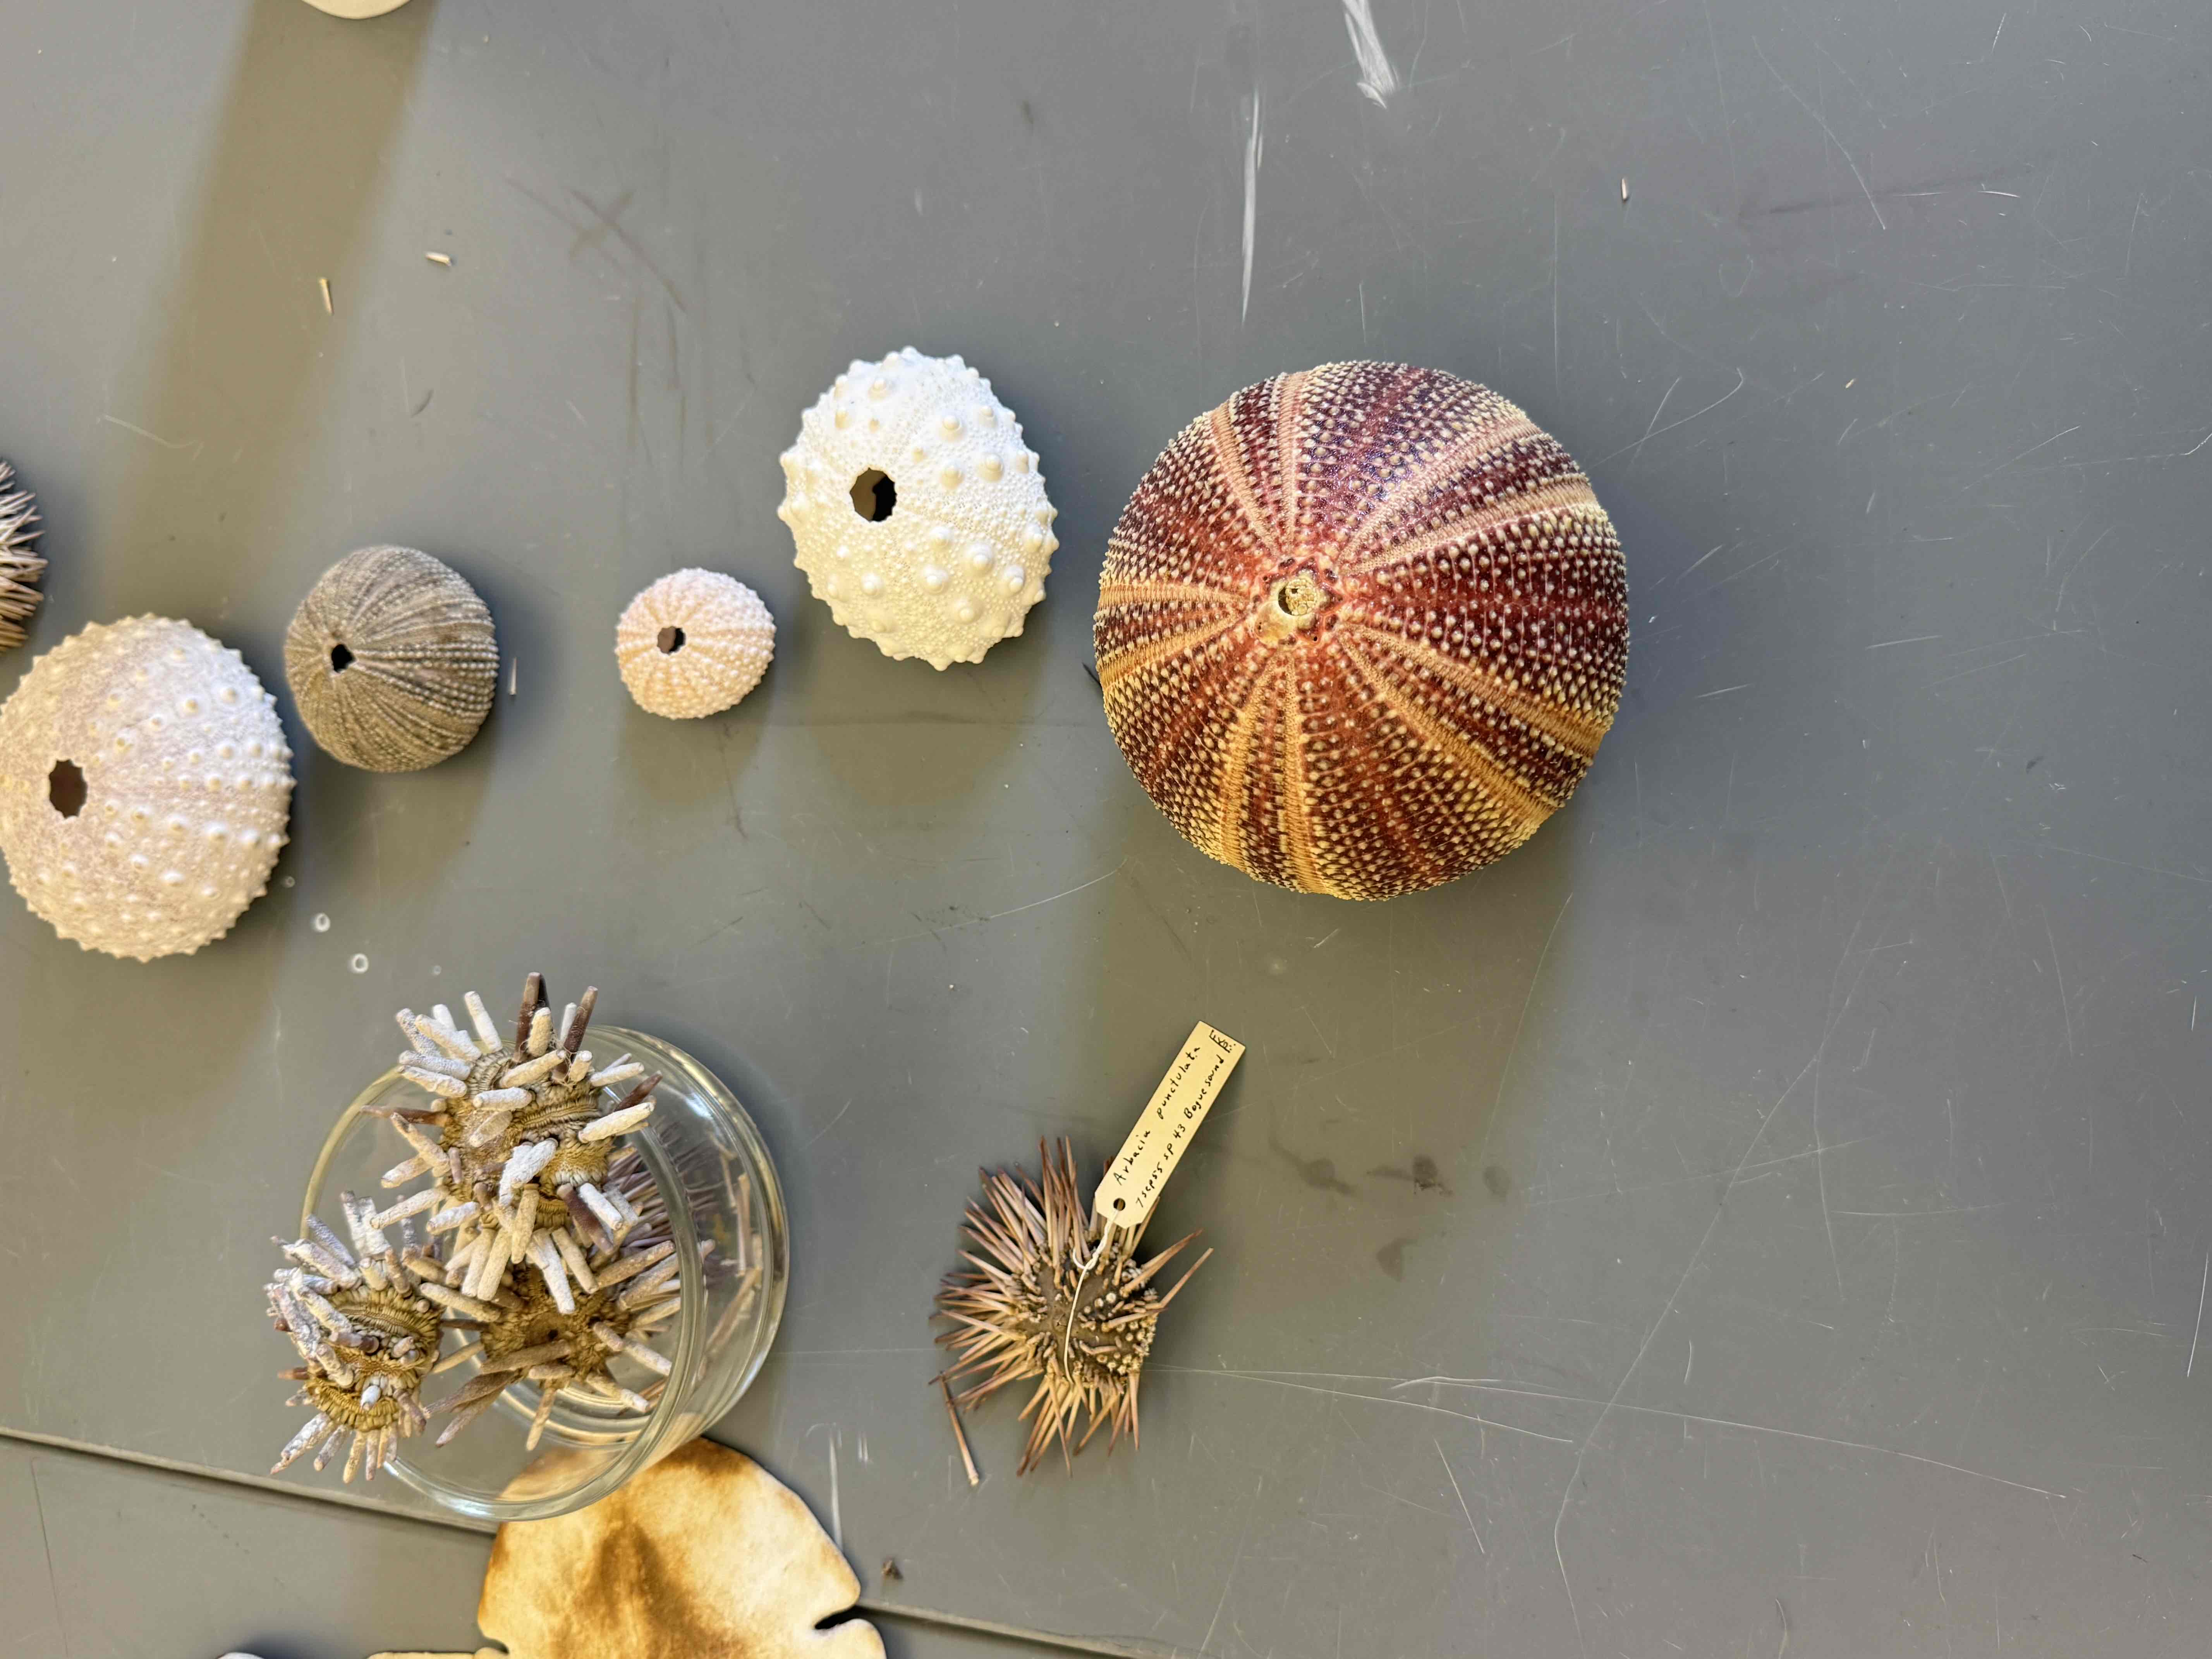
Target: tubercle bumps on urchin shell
{"points": [[1361, 629], [182, 783], [919, 514]]}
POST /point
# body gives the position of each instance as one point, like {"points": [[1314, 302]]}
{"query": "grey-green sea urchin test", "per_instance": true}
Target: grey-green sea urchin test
{"points": [[544, 1247]]}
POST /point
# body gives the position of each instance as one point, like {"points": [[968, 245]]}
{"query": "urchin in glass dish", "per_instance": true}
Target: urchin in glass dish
{"points": [[726, 1218]]}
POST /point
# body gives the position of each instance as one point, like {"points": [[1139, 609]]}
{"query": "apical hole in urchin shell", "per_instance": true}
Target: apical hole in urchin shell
{"points": [[874, 495], [65, 788], [341, 658], [670, 639], [1299, 596]]}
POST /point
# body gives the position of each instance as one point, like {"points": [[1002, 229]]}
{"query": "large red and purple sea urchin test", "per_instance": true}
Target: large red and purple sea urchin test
{"points": [[1361, 629]]}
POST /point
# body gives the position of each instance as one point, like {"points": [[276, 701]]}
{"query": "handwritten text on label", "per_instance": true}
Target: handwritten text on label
{"points": [[1132, 1181]]}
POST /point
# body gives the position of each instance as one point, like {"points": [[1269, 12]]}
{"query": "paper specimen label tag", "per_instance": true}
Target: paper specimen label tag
{"points": [[1132, 1181]]}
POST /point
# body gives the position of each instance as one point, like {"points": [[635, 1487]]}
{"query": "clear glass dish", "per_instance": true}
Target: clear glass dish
{"points": [[714, 1173]]}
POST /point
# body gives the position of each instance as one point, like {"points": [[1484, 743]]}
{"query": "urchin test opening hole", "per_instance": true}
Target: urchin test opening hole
{"points": [[670, 640], [874, 495], [1298, 597], [65, 788], [341, 658]]}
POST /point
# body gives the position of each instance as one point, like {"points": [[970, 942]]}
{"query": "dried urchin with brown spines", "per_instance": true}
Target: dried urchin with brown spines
{"points": [[19, 565], [560, 1258], [1055, 1296], [564, 1328], [1361, 629], [366, 1333]]}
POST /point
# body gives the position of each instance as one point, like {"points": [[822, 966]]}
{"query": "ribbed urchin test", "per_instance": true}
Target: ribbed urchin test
{"points": [[549, 1250], [562, 1323], [1053, 1297]]}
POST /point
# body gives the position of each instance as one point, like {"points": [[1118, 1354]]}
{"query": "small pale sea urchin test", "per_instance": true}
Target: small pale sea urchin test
{"points": [[544, 1245], [1361, 629]]}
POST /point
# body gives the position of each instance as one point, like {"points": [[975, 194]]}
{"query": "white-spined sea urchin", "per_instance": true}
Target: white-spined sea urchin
{"points": [[547, 1249]]}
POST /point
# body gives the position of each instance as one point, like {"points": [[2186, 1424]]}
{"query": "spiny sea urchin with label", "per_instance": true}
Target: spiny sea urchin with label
{"points": [[550, 1251], [1056, 1298]]}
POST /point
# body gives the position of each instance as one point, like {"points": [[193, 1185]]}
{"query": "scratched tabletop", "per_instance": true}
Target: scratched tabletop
{"points": [[1768, 1211]]}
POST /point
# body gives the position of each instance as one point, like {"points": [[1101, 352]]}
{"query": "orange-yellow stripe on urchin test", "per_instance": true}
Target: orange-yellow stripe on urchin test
{"points": [[1361, 629], [1566, 726]]}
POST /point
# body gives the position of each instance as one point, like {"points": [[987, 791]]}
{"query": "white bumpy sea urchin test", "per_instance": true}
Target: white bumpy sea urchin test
{"points": [[919, 513], [145, 786]]}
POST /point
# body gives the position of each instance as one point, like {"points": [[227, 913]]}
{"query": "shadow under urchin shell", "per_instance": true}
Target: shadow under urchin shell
{"points": [[393, 660], [1361, 629]]}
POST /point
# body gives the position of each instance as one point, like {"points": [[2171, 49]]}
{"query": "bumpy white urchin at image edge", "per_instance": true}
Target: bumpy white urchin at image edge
{"points": [[145, 786]]}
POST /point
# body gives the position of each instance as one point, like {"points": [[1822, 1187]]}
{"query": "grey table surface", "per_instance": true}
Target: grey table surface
{"points": [[100, 1559], [1816, 1254]]}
